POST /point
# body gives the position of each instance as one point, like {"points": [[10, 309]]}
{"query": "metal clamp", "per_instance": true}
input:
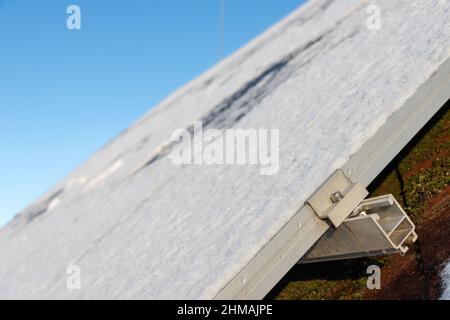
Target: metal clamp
{"points": [[369, 227], [336, 199]]}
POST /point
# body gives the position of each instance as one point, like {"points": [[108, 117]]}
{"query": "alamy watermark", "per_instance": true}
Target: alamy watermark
{"points": [[374, 20], [73, 21], [227, 147], [374, 280], [74, 279]]}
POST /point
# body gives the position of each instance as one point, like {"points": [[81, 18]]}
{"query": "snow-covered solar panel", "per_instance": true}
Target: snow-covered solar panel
{"points": [[343, 95]]}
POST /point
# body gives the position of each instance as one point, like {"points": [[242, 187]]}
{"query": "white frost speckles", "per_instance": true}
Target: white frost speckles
{"points": [[446, 282]]}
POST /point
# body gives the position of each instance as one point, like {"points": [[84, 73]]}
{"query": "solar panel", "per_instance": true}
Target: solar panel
{"points": [[340, 94]]}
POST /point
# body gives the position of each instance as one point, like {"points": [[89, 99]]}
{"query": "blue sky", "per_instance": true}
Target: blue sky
{"points": [[65, 93]]}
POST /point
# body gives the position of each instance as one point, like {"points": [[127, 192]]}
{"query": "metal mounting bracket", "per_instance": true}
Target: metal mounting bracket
{"points": [[369, 227], [336, 199]]}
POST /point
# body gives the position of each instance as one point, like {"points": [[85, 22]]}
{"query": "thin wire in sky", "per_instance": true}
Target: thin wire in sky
{"points": [[221, 27]]}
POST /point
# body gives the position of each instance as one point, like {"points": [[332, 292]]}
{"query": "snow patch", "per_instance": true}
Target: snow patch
{"points": [[53, 204], [112, 169], [446, 282], [77, 182]]}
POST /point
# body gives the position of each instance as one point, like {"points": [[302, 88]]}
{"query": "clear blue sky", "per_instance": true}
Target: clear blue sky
{"points": [[65, 93]]}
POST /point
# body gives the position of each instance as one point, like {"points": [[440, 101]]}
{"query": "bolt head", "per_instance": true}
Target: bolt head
{"points": [[336, 197]]}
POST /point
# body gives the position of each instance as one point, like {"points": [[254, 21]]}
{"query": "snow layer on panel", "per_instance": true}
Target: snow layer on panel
{"points": [[141, 227]]}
